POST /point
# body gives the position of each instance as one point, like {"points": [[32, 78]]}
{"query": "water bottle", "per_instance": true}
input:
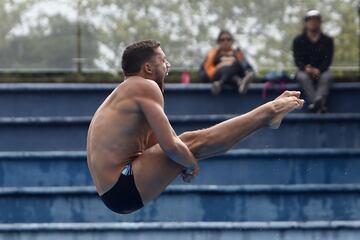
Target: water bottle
{"points": [[185, 77]]}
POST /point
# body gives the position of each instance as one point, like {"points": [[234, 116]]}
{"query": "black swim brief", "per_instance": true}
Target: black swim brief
{"points": [[123, 197]]}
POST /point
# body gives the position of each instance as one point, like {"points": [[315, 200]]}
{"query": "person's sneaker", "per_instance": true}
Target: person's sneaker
{"points": [[238, 80], [244, 85], [216, 88], [317, 106], [311, 108], [323, 110]]}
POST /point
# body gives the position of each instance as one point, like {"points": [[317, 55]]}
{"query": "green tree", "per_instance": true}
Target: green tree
{"points": [[187, 28], [50, 46]]}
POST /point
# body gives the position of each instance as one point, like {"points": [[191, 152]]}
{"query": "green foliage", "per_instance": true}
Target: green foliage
{"points": [[48, 47], [186, 29]]}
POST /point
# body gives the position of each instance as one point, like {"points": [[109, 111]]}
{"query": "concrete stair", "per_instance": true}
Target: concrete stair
{"points": [[241, 166], [288, 230], [69, 133], [20, 100], [298, 182], [308, 202]]}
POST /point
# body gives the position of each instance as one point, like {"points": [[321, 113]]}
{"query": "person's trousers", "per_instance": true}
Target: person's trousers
{"points": [[315, 88], [225, 74]]}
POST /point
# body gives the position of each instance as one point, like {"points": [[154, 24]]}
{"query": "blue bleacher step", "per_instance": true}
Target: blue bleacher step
{"points": [[236, 167], [329, 230], [310, 202], [21, 100], [197, 99], [297, 131]]}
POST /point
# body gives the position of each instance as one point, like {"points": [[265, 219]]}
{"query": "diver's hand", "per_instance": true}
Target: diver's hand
{"points": [[189, 174]]}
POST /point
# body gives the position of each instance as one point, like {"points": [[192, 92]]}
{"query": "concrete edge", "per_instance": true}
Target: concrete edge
{"points": [[211, 118], [236, 153], [171, 87], [289, 118], [168, 226], [45, 120], [179, 189]]}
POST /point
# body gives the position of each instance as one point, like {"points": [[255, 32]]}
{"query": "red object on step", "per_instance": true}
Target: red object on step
{"points": [[185, 77]]}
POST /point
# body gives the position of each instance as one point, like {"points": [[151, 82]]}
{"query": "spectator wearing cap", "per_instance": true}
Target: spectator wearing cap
{"points": [[313, 53], [226, 65]]}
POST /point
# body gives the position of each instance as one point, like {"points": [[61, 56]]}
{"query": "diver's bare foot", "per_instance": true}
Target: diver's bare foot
{"points": [[285, 103]]}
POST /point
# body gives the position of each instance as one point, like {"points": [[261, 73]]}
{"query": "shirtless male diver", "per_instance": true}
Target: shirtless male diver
{"points": [[133, 153]]}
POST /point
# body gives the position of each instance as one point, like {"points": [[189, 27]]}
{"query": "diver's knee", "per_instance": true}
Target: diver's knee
{"points": [[193, 139]]}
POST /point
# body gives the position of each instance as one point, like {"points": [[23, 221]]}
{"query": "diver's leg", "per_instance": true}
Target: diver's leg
{"points": [[154, 171]]}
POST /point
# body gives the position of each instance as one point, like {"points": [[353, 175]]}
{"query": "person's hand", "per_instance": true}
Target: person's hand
{"points": [[224, 64], [316, 72], [308, 69], [189, 174]]}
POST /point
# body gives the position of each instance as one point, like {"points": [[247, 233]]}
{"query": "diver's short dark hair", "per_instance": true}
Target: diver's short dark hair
{"points": [[136, 54]]}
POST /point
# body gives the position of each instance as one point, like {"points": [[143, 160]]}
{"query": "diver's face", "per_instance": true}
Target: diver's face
{"points": [[161, 67]]}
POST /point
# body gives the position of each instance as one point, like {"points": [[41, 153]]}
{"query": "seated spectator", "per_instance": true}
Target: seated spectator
{"points": [[313, 53], [226, 65]]}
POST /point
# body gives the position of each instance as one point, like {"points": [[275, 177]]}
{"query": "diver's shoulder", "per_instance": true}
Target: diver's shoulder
{"points": [[143, 85], [137, 82]]}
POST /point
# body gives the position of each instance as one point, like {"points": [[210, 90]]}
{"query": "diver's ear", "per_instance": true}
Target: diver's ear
{"points": [[148, 68]]}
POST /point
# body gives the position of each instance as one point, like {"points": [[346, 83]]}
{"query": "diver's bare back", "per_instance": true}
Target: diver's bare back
{"points": [[117, 134]]}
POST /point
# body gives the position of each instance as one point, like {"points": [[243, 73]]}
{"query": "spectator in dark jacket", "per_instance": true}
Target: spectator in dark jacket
{"points": [[227, 65], [313, 54]]}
